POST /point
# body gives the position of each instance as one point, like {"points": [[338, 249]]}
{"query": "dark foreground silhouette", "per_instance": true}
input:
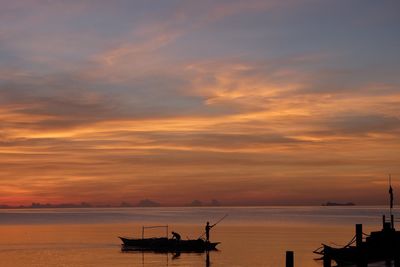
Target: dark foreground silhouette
{"points": [[378, 246], [383, 245]]}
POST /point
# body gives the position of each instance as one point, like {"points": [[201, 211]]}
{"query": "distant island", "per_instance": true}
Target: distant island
{"points": [[338, 204], [144, 203], [147, 203], [35, 205], [198, 203]]}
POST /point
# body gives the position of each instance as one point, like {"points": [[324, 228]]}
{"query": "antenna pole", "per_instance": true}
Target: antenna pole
{"points": [[391, 194]]}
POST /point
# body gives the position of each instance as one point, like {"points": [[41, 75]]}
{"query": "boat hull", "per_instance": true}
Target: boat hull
{"points": [[379, 246], [166, 245]]}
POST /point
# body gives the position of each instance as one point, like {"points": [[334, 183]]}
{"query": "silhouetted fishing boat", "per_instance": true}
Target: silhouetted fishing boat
{"points": [[164, 244], [381, 245]]}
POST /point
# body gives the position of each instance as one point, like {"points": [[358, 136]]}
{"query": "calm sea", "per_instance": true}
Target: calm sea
{"points": [[249, 236]]}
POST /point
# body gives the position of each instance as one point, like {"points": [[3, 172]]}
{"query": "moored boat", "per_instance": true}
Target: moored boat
{"points": [[383, 245]]}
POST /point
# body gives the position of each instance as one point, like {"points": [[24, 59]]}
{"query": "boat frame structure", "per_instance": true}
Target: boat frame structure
{"points": [[165, 244]]}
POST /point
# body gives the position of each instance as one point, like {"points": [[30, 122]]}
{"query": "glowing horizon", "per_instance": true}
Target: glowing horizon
{"points": [[253, 102]]}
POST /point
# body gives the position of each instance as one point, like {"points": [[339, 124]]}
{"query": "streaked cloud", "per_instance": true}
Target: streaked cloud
{"points": [[251, 103]]}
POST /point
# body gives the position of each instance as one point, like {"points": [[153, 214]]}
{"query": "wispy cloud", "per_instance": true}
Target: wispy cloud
{"points": [[102, 103]]}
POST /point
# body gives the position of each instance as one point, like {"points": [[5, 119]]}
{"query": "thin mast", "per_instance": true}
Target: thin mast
{"points": [[391, 194]]}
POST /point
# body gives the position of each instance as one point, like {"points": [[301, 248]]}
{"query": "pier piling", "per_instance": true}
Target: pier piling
{"points": [[327, 261], [361, 255], [359, 234], [397, 258], [289, 259], [392, 221]]}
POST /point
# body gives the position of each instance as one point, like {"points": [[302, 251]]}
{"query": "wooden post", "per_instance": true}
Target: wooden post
{"points": [[289, 259], [362, 263], [327, 261], [396, 260], [383, 221], [361, 256], [359, 234], [392, 220]]}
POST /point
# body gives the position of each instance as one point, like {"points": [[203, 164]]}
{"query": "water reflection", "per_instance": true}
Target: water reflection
{"points": [[176, 255], [208, 263], [148, 258], [249, 237]]}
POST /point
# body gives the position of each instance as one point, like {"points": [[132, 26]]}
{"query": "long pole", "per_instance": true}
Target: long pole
{"points": [[220, 220], [391, 195], [391, 201]]}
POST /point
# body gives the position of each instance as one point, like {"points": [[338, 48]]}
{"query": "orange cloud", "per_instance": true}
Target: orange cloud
{"points": [[126, 113]]}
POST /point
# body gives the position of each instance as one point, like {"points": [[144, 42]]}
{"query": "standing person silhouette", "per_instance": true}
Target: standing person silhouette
{"points": [[208, 227]]}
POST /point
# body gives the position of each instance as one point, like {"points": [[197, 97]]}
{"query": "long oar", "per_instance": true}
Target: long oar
{"points": [[220, 220]]}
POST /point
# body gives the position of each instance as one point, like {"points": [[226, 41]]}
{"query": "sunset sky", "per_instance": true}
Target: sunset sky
{"points": [[248, 102]]}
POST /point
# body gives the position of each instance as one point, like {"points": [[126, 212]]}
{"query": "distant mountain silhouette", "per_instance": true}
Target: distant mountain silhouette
{"points": [[215, 203], [148, 203], [338, 204], [125, 204], [196, 203], [37, 205]]}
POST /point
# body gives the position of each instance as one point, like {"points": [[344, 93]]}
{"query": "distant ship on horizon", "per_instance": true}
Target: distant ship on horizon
{"points": [[338, 204]]}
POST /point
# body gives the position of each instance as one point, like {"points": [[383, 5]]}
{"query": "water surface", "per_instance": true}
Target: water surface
{"points": [[249, 236]]}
